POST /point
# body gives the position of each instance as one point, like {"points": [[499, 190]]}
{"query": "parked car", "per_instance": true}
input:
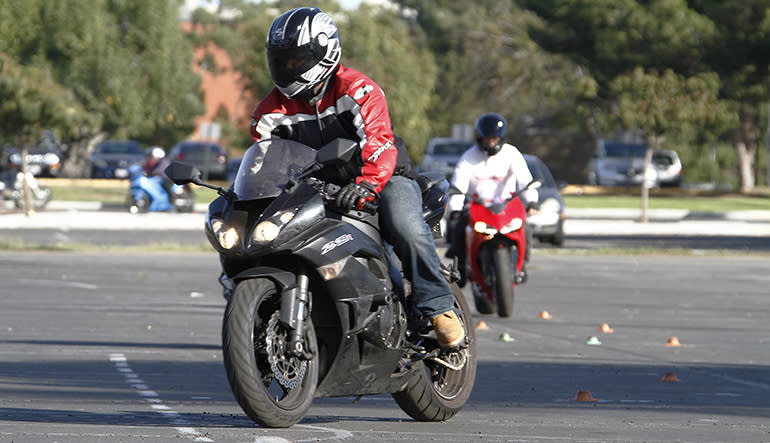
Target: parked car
{"points": [[232, 168], [210, 158], [442, 154], [112, 158], [620, 164], [548, 225], [43, 160], [668, 167]]}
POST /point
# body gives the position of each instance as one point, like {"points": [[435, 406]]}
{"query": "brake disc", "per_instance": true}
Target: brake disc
{"points": [[454, 360], [288, 371]]}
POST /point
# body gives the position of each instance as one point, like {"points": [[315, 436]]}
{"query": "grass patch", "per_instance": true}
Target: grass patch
{"points": [[111, 195], [696, 204], [87, 247]]}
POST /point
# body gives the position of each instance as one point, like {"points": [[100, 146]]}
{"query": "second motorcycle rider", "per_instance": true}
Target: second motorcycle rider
{"points": [[315, 101]]}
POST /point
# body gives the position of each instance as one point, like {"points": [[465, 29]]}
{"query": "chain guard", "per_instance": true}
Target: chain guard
{"points": [[286, 369]]}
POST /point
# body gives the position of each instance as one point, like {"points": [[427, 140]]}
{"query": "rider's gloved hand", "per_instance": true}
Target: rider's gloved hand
{"points": [[355, 195]]}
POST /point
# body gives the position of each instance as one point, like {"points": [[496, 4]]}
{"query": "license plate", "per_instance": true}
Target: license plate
{"points": [[34, 169], [121, 173]]}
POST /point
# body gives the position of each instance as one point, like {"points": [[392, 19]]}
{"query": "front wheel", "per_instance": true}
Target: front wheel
{"points": [[40, 197], [503, 280], [435, 392], [273, 387], [139, 202]]}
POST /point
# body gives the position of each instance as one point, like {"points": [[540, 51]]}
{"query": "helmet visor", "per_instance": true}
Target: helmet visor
{"points": [[286, 65]]}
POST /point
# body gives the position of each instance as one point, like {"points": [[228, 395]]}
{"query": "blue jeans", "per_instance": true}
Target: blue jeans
{"points": [[404, 228]]}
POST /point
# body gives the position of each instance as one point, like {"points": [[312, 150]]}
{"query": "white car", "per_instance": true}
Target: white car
{"points": [[668, 167], [622, 164]]}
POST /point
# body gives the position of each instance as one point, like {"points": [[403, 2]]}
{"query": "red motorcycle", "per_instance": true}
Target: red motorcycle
{"points": [[495, 245]]}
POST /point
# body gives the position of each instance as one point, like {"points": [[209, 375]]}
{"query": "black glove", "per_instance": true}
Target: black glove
{"points": [[355, 195]]}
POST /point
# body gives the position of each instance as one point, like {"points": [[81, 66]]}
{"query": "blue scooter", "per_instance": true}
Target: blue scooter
{"points": [[147, 194]]}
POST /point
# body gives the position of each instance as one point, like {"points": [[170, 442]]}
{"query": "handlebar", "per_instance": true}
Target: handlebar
{"points": [[331, 190]]}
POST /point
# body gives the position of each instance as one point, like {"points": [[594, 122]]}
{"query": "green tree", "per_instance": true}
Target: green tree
{"points": [[127, 61], [488, 63], [741, 57], [32, 101], [658, 105], [609, 38]]}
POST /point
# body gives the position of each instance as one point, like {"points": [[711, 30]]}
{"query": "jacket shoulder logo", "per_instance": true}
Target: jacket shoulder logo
{"points": [[362, 91]]}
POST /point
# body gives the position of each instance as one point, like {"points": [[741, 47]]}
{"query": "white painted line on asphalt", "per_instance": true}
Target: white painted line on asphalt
{"points": [[121, 364], [337, 434]]}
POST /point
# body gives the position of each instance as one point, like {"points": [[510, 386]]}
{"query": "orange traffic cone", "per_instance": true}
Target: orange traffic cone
{"points": [[584, 396], [545, 315], [673, 341], [482, 325], [670, 377], [606, 328]]}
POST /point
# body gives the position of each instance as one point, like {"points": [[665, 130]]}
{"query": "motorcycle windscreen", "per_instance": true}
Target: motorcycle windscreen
{"points": [[268, 165]]}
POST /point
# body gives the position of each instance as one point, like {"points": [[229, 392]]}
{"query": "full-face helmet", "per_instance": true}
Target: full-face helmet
{"points": [[490, 125], [303, 52]]}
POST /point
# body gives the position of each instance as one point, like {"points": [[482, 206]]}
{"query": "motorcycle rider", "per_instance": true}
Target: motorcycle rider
{"points": [[317, 100], [492, 171], [155, 165]]}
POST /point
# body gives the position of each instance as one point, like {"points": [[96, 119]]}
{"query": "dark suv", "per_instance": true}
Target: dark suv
{"points": [[210, 158]]}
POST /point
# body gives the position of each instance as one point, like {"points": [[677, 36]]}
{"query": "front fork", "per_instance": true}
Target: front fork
{"points": [[294, 305]]}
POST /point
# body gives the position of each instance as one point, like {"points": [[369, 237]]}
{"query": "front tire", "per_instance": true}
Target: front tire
{"points": [[503, 280], [434, 392], [273, 388], [139, 205]]}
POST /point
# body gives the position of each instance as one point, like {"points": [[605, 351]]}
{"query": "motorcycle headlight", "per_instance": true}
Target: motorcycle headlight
{"points": [[514, 225], [483, 228], [227, 236], [267, 230]]}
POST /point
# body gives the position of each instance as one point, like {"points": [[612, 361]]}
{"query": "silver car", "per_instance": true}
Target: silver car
{"points": [[442, 154]]}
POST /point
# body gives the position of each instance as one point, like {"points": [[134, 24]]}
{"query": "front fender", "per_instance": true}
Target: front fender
{"points": [[284, 279]]}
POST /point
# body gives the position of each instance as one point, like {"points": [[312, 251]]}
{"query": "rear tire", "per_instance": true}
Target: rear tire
{"points": [[273, 388], [435, 392], [503, 280]]}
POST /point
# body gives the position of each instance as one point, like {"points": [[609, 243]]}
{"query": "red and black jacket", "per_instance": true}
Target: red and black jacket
{"points": [[353, 107]]}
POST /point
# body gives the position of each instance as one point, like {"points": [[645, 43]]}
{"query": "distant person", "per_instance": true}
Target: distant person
{"points": [[492, 171], [155, 165]]}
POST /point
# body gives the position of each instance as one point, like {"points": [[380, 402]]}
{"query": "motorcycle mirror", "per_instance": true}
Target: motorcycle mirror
{"points": [[182, 173]]}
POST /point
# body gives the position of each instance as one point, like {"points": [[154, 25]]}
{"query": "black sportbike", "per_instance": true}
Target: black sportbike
{"points": [[318, 306]]}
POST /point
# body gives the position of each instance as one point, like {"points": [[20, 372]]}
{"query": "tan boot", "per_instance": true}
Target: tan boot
{"points": [[449, 330]]}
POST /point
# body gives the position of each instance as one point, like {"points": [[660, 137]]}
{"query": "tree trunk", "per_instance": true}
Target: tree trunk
{"points": [[746, 145], [745, 166], [653, 142], [77, 156]]}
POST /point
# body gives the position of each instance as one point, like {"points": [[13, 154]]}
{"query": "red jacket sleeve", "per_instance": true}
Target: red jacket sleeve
{"points": [[379, 153]]}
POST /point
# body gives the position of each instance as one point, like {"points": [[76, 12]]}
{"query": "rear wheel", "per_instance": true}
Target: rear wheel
{"points": [[503, 280], [274, 388], [435, 392]]}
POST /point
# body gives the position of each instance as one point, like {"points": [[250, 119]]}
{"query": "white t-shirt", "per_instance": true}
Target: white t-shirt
{"points": [[493, 179]]}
